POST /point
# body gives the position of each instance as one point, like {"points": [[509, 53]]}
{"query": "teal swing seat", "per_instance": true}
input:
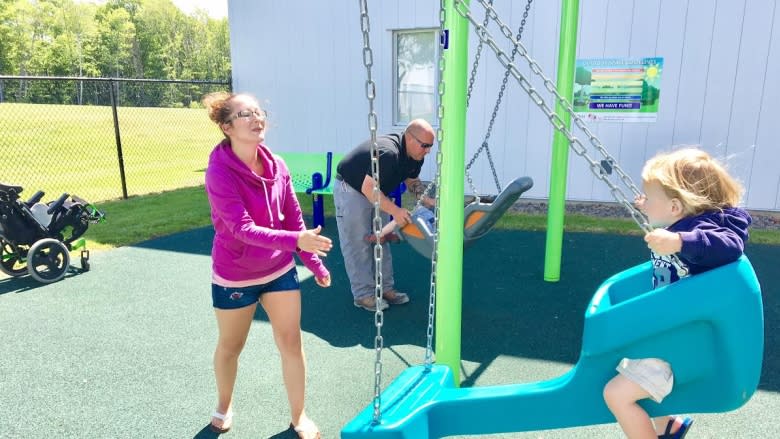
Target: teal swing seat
{"points": [[708, 326], [478, 218]]}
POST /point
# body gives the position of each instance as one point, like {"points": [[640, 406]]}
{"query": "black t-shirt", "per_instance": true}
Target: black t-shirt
{"points": [[394, 165]]}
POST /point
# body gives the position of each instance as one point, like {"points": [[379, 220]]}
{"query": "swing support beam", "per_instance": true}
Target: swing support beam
{"points": [[567, 50], [449, 286], [449, 279]]}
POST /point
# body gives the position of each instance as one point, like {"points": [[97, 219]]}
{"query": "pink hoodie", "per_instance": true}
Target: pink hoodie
{"points": [[257, 219]]}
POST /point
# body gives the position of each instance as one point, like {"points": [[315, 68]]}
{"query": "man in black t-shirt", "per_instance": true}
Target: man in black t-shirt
{"points": [[401, 157]]}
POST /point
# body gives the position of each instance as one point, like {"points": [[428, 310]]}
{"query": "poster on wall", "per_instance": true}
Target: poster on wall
{"points": [[618, 89]]}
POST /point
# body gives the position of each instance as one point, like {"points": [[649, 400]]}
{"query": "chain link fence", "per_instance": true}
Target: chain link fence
{"points": [[103, 138]]}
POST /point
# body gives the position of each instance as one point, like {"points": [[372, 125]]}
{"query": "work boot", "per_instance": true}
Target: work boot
{"points": [[368, 303]]}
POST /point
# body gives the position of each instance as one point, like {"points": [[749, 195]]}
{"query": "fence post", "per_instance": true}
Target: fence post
{"points": [[113, 93]]}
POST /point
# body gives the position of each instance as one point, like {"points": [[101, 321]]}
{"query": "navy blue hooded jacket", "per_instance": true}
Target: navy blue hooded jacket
{"points": [[709, 240]]}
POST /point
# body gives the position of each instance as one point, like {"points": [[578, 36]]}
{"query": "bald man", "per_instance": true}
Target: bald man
{"points": [[401, 157]]}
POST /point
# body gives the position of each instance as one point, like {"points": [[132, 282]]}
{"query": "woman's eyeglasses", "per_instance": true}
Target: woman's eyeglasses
{"points": [[246, 114], [422, 144]]}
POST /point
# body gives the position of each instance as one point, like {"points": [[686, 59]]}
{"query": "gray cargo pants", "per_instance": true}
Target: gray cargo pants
{"points": [[354, 214]]}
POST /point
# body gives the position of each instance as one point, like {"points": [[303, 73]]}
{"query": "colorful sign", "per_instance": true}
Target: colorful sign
{"points": [[618, 89]]}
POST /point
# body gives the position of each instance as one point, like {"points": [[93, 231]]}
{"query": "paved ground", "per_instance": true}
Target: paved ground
{"points": [[124, 351]]}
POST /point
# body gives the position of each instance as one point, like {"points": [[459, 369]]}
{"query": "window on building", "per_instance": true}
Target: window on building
{"points": [[416, 67]]}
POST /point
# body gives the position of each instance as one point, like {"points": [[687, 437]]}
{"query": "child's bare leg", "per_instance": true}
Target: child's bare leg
{"points": [[388, 228], [383, 234], [621, 396]]}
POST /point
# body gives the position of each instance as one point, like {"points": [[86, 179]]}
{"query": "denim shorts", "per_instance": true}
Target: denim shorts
{"points": [[233, 298]]}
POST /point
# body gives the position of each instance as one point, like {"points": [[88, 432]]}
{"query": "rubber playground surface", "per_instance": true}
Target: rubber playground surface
{"points": [[125, 350]]}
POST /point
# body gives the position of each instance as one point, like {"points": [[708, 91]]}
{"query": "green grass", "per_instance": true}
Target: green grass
{"points": [[573, 223], [765, 237], [149, 216], [67, 148]]}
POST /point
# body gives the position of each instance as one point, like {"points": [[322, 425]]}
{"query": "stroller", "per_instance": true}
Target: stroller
{"points": [[37, 238]]}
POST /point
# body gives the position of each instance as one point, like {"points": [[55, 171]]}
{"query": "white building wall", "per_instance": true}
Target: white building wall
{"points": [[303, 60]]}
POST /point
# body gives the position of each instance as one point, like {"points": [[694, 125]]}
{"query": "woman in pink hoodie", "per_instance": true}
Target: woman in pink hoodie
{"points": [[258, 227]]}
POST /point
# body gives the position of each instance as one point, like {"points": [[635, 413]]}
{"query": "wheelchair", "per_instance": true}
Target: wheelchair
{"points": [[37, 238]]}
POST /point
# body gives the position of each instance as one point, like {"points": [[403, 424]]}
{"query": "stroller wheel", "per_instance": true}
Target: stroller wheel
{"points": [[48, 260], [12, 260]]}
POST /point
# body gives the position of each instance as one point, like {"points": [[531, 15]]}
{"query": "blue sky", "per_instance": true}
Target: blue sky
{"points": [[215, 8]]}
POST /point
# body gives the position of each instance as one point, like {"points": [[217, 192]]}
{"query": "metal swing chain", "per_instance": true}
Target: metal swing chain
{"points": [[437, 181], [368, 61], [472, 77], [477, 56], [498, 101], [576, 145]]}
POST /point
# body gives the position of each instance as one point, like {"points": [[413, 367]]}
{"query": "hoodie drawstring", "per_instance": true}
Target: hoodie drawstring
{"points": [[268, 204]]}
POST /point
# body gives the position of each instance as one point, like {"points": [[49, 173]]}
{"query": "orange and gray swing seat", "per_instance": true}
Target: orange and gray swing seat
{"points": [[479, 217]]}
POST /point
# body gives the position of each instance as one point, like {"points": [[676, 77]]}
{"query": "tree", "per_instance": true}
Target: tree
{"points": [[119, 38], [114, 40]]}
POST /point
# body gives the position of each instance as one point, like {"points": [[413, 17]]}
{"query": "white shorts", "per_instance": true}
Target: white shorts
{"points": [[651, 374]]}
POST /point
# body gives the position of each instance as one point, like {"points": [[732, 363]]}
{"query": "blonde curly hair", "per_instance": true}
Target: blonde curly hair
{"points": [[695, 178]]}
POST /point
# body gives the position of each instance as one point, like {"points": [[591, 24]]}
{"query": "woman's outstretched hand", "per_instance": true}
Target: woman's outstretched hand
{"points": [[311, 241], [324, 282]]}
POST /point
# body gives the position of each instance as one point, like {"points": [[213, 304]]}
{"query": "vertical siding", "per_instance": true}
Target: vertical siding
{"points": [[696, 57], [722, 76], [543, 48], [764, 180], [591, 39], [306, 65], [616, 44], [746, 107], [478, 114], [633, 141], [669, 43]]}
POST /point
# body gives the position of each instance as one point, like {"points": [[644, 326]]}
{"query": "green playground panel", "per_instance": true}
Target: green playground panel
{"points": [[303, 165]]}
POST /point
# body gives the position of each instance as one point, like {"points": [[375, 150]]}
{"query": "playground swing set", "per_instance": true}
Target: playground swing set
{"points": [[623, 318]]}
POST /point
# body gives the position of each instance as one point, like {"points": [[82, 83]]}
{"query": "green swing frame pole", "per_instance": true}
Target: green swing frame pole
{"points": [[449, 266], [567, 50]]}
